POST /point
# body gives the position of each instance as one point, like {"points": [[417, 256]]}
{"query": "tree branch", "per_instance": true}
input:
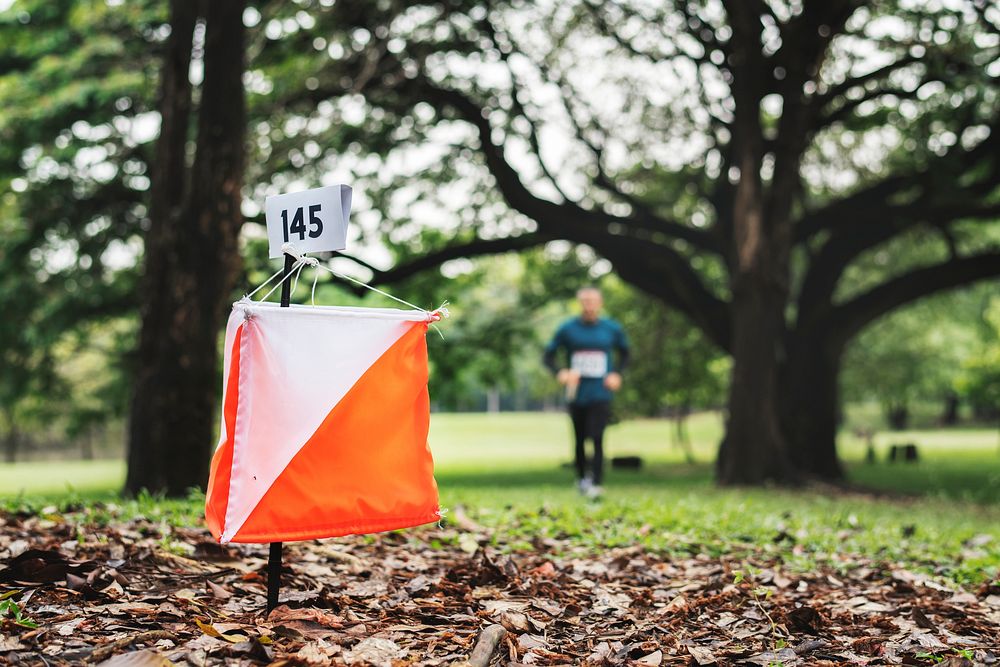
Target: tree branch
{"points": [[518, 196], [644, 216], [848, 106], [946, 189], [828, 265], [519, 108], [476, 248], [357, 260], [875, 202], [876, 74], [806, 36], [703, 33], [684, 289], [852, 316], [805, 41], [598, 12]]}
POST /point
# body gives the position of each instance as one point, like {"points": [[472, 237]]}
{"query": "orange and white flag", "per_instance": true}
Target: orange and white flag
{"points": [[324, 424]]}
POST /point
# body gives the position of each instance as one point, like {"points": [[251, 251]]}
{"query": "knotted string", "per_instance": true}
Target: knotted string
{"points": [[302, 261]]}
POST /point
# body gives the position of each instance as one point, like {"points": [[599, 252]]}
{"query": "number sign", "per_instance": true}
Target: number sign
{"points": [[312, 221]]}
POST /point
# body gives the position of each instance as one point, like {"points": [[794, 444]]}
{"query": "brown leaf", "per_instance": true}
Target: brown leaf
{"points": [[211, 631], [544, 571], [80, 585], [549, 607], [494, 607], [653, 659], [514, 621], [282, 614], [38, 566], [374, 651], [526, 642], [956, 661], [218, 591], [144, 658], [920, 618], [317, 652], [805, 619], [702, 656], [679, 603], [785, 656]]}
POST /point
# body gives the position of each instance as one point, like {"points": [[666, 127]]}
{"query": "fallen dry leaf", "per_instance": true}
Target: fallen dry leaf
{"points": [[144, 658], [417, 598]]}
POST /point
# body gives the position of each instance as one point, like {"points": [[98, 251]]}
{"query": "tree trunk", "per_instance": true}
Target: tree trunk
{"points": [[810, 407], [949, 416], [897, 414], [493, 400], [10, 444], [192, 257], [753, 450], [681, 437], [87, 444], [12, 438]]}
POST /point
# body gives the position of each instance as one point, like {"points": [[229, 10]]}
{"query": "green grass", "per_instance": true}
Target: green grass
{"points": [[58, 478], [506, 472]]}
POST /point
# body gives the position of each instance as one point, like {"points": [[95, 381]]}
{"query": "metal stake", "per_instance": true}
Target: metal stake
{"points": [[274, 555]]}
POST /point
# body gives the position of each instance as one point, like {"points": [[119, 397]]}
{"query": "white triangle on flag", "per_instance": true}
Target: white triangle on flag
{"points": [[296, 364]]}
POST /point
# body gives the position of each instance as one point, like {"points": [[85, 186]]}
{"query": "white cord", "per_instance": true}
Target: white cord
{"points": [[302, 260], [261, 286]]}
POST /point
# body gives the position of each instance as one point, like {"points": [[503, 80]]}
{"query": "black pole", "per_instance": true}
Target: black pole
{"points": [[286, 284], [273, 576], [274, 555]]}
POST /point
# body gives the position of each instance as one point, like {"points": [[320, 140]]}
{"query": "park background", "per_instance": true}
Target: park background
{"points": [[792, 208]]}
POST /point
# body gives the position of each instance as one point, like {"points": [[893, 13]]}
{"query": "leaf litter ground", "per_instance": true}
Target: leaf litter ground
{"points": [[137, 592]]}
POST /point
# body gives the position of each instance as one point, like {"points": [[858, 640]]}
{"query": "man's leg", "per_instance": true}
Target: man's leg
{"points": [[578, 415], [597, 420]]}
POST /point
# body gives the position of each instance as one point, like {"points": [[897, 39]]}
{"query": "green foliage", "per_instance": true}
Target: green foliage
{"points": [[9, 609], [979, 380], [674, 366], [503, 311], [921, 353], [78, 80]]}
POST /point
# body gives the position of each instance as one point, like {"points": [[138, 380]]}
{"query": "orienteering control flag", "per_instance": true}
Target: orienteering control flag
{"points": [[324, 424]]}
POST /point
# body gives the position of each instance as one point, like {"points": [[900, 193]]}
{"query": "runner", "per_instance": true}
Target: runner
{"points": [[590, 379]]}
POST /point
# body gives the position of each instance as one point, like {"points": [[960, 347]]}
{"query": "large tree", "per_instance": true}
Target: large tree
{"points": [[191, 255], [734, 159]]}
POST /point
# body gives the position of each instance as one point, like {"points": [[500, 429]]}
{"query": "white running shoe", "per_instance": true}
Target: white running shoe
{"points": [[594, 492], [584, 486]]}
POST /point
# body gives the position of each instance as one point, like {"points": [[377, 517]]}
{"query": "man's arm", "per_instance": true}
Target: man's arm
{"points": [[613, 380], [552, 351], [549, 358], [624, 351]]}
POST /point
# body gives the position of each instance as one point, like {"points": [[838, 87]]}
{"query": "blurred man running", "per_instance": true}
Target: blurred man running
{"points": [[590, 378]]}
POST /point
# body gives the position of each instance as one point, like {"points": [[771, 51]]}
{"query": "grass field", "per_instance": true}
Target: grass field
{"points": [[505, 471]]}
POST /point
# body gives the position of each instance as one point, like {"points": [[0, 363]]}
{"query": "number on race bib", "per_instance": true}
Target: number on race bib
{"points": [[589, 363], [298, 223]]}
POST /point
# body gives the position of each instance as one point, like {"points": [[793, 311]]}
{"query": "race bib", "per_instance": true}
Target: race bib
{"points": [[590, 363]]}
